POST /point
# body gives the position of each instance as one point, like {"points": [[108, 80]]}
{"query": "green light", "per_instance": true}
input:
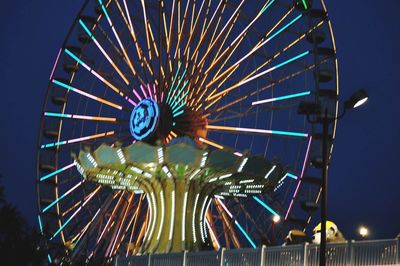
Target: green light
{"points": [[305, 4]]}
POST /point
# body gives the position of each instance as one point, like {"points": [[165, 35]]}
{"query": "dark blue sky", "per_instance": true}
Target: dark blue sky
{"points": [[364, 177]]}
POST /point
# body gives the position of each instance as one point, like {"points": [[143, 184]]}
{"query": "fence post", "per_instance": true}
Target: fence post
{"points": [[116, 260], [185, 258], [398, 249], [263, 254], [305, 254], [350, 252], [149, 264], [222, 256]]}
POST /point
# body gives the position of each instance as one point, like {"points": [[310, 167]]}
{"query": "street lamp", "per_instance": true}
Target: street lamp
{"points": [[275, 219], [314, 110], [363, 231]]}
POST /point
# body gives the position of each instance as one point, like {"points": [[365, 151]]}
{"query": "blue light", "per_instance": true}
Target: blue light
{"points": [[293, 96], [292, 176], [144, 119], [291, 60], [266, 206], [178, 108], [49, 258], [265, 8], [54, 202], [245, 234], [178, 113], [56, 115], [285, 27], [61, 228], [63, 85], [179, 83], [181, 98], [51, 174], [40, 224], [286, 133], [74, 56], [86, 29], [173, 82]]}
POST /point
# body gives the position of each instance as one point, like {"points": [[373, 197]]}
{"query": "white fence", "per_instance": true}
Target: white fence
{"points": [[371, 252]]}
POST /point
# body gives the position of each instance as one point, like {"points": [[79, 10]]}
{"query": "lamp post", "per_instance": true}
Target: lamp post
{"points": [[314, 109], [275, 220], [363, 231]]}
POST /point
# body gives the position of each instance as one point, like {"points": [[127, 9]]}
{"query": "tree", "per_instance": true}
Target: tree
{"points": [[19, 242]]}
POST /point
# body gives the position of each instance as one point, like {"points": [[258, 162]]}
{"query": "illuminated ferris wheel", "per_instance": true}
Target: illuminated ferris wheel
{"points": [[174, 125]]}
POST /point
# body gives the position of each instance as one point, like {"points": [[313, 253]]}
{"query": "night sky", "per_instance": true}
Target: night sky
{"points": [[364, 173]]}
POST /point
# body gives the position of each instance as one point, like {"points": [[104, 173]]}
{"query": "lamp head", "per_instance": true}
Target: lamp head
{"points": [[357, 99]]}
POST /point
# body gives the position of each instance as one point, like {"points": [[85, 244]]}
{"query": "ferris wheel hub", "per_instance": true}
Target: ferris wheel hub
{"points": [[144, 119]]}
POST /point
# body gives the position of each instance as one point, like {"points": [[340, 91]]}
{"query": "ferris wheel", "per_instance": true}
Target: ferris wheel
{"points": [[174, 125]]}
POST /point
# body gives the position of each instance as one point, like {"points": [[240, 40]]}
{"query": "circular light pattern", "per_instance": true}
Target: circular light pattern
{"points": [[144, 119]]}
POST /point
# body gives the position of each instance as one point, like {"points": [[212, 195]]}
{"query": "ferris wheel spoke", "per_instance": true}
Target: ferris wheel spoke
{"points": [[90, 34], [133, 35], [114, 240], [226, 223], [229, 51], [256, 131], [75, 240], [232, 47], [214, 238], [250, 218], [57, 171], [82, 117], [301, 177], [135, 219], [271, 84], [237, 224], [126, 57], [111, 217], [76, 212], [97, 75], [88, 95], [253, 74], [278, 66], [70, 141], [62, 196], [259, 45]]}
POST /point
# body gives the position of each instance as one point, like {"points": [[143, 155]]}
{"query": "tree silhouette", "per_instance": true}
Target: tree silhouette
{"points": [[19, 242]]}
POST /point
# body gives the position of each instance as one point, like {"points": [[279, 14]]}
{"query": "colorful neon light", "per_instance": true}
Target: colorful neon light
{"points": [[255, 130], [83, 117], [57, 171], [301, 177], [262, 203], [75, 213], [55, 63], [59, 143], [224, 92], [295, 95], [62, 196], [209, 142], [40, 224], [68, 87]]}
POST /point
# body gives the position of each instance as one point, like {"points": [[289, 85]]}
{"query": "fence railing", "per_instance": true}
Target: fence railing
{"points": [[371, 252]]}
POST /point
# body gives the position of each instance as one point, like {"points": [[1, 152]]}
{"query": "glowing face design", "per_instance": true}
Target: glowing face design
{"points": [[144, 119]]}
